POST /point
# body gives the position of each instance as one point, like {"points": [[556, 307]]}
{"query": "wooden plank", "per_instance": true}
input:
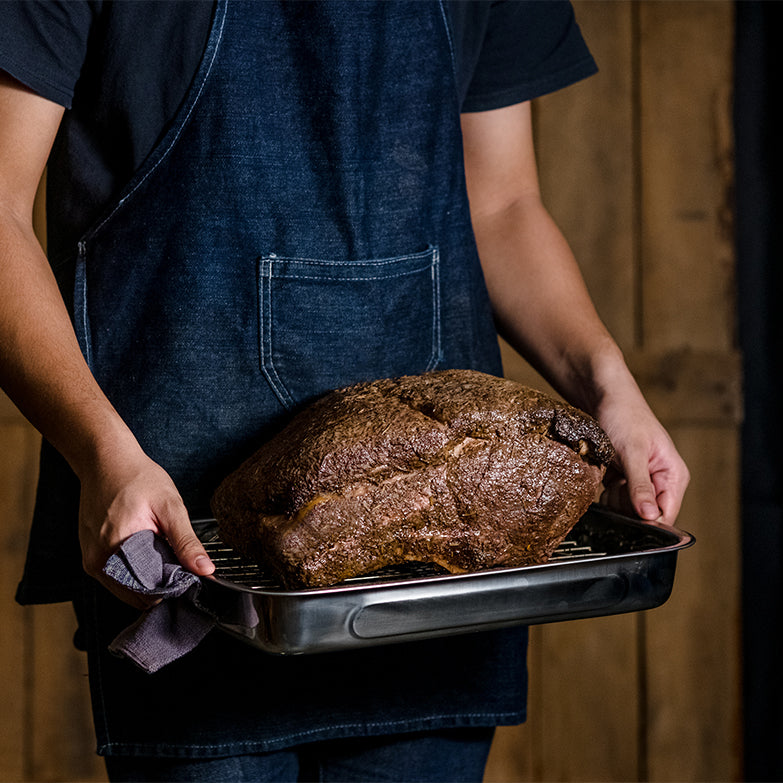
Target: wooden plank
{"points": [[693, 662], [45, 726], [510, 759], [63, 739], [693, 645], [517, 369], [515, 755], [685, 385], [17, 475], [682, 385], [686, 173], [46, 729], [589, 700], [684, 684], [18, 470]]}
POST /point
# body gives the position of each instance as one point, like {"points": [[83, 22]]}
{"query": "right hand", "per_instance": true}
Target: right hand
{"points": [[43, 370], [122, 497]]}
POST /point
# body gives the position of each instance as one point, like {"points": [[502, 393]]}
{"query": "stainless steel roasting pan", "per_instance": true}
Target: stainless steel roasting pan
{"points": [[610, 564]]}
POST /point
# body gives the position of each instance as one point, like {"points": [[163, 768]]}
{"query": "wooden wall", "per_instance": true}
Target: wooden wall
{"points": [[636, 167]]}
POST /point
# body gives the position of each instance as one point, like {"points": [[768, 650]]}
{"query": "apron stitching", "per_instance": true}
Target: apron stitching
{"points": [[452, 57], [200, 96], [352, 279], [289, 737], [267, 362], [82, 262], [435, 310], [362, 262], [267, 274], [174, 140]]}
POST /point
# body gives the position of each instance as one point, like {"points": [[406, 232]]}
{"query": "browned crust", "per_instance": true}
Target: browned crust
{"points": [[454, 467]]}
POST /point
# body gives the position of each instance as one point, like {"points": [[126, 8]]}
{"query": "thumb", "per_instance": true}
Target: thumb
{"points": [[641, 490], [188, 549]]}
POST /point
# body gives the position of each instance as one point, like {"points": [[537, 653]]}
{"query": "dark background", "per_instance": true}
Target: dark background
{"points": [[759, 161]]}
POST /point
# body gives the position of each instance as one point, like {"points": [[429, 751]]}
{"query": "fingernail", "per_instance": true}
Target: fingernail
{"points": [[204, 565], [650, 511]]}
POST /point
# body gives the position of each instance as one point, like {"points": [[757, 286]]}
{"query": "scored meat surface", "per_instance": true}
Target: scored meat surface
{"points": [[453, 467]]}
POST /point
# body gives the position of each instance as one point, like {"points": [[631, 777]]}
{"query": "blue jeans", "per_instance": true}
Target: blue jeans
{"points": [[449, 755]]}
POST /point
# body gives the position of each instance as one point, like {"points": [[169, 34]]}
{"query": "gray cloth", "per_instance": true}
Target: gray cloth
{"points": [[146, 564]]}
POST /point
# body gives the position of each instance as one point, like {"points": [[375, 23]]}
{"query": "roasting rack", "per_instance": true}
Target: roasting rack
{"points": [[609, 564]]}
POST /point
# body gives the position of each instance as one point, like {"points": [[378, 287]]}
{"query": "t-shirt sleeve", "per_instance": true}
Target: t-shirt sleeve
{"points": [[516, 50], [43, 43]]}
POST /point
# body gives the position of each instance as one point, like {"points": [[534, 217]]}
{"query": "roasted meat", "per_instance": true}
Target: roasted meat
{"points": [[454, 467]]}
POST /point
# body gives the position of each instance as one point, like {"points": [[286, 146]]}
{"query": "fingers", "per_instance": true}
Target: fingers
{"points": [[671, 487], [643, 498], [116, 504], [635, 492], [175, 525], [654, 496], [649, 477], [617, 496]]}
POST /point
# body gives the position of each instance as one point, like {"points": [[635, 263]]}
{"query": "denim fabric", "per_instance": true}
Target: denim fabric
{"points": [[303, 224], [227, 698], [314, 131], [450, 756], [332, 298]]}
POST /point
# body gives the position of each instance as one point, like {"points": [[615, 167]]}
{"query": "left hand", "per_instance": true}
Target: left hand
{"points": [[650, 476]]}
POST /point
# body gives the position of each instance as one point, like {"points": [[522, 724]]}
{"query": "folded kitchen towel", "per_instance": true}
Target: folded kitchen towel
{"points": [[146, 564]]}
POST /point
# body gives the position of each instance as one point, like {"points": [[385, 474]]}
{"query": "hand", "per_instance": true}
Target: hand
{"points": [[650, 477], [123, 496]]}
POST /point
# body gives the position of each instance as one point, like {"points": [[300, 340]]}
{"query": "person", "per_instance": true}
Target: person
{"points": [[249, 204]]}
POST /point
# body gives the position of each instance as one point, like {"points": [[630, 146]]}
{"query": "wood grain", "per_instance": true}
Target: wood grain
{"points": [[693, 641], [584, 695], [686, 174], [636, 166], [17, 473], [62, 735]]}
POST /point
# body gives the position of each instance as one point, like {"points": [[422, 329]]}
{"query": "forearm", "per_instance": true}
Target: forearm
{"points": [[543, 308], [542, 305], [43, 371], [41, 366]]}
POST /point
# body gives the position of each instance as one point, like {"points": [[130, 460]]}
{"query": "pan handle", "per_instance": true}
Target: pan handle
{"points": [[490, 606]]}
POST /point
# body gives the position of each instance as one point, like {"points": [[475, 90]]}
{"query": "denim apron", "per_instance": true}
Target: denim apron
{"points": [[302, 225]]}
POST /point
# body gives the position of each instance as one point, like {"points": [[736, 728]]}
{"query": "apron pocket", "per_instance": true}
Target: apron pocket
{"points": [[326, 324]]}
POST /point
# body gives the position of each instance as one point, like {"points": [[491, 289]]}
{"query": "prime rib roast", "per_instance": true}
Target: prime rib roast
{"points": [[454, 467]]}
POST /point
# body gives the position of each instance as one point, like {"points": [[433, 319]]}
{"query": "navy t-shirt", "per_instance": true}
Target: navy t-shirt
{"points": [[122, 69]]}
